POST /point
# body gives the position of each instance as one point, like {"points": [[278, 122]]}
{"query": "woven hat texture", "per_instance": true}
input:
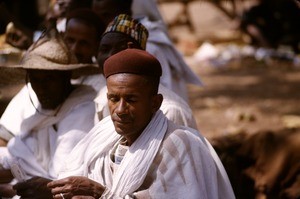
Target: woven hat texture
{"points": [[125, 24], [49, 52]]}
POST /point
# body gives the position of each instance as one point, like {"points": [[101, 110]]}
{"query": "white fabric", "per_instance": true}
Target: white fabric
{"points": [[174, 158], [173, 107], [45, 141], [96, 81], [61, 25], [15, 111], [176, 73]]}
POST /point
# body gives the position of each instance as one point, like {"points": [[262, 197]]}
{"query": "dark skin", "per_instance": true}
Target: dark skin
{"points": [[76, 186], [82, 39], [53, 90], [57, 86], [20, 36], [112, 43], [132, 101]]}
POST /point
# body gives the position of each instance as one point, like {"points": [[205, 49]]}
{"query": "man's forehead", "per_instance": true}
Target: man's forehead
{"points": [[126, 82]]}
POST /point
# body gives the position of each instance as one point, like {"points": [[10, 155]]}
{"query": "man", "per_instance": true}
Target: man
{"points": [[176, 73], [82, 35], [83, 32], [137, 152], [122, 32], [50, 122]]}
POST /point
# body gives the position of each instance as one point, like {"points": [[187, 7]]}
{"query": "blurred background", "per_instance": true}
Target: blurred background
{"points": [[246, 53]]}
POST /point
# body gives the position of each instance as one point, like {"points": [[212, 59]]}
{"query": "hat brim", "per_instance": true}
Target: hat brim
{"points": [[18, 72], [43, 63]]}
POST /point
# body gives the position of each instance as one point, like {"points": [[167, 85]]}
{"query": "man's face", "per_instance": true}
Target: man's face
{"points": [[82, 40], [112, 43], [49, 86], [131, 103]]}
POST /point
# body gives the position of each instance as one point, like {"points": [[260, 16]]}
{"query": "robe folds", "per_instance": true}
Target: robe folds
{"points": [[44, 141], [166, 161]]}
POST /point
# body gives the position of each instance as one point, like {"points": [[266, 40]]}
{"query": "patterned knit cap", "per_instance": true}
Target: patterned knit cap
{"points": [[125, 24]]}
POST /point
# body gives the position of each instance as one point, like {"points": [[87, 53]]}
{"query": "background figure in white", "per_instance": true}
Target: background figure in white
{"points": [[146, 8], [176, 73]]}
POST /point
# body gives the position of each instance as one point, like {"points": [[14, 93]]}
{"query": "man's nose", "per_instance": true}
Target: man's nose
{"points": [[122, 107]]}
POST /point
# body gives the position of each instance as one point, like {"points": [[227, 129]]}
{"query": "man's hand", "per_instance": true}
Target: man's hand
{"points": [[7, 191], [35, 188], [76, 187]]}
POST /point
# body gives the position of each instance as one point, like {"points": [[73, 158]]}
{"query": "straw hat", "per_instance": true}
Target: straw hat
{"points": [[50, 52]]}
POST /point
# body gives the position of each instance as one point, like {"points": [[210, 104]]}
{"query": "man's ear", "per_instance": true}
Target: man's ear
{"points": [[156, 102]]}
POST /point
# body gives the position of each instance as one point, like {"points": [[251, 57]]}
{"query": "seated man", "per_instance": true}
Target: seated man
{"points": [[51, 122], [137, 152], [83, 32], [120, 33]]}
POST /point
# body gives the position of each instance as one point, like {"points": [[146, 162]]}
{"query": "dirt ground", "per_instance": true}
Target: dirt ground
{"points": [[246, 96]]}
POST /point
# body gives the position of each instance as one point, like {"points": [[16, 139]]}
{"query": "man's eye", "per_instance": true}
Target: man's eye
{"points": [[113, 99], [131, 100]]}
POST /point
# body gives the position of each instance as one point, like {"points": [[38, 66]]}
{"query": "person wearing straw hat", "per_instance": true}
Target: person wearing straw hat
{"points": [[176, 73], [55, 114], [137, 152], [120, 33], [82, 35]]}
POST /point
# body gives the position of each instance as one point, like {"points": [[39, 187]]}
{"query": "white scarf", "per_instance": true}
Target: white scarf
{"points": [[18, 146], [133, 168]]}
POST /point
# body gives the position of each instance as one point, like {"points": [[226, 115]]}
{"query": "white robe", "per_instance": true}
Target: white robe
{"points": [[43, 142], [166, 161], [173, 106], [175, 72]]}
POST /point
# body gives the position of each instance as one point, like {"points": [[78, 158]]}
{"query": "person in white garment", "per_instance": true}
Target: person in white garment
{"points": [[176, 73], [55, 115], [125, 31], [136, 152], [82, 35]]}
